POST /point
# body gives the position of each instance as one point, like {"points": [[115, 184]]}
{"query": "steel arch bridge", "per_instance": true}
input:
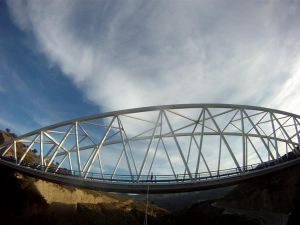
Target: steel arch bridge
{"points": [[170, 148]]}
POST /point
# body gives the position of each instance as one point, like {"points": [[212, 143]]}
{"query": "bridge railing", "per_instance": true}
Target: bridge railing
{"points": [[159, 178]]}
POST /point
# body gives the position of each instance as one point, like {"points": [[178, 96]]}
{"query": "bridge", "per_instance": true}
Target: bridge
{"points": [[163, 149]]}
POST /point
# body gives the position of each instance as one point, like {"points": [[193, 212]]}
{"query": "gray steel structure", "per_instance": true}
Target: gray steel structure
{"points": [[168, 148]]}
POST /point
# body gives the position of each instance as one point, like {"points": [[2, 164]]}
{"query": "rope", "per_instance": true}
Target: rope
{"points": [[147, 203]]}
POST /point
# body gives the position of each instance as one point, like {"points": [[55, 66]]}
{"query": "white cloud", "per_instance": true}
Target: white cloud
{"points": [[133, 53], [287, 97], [130, 54]]}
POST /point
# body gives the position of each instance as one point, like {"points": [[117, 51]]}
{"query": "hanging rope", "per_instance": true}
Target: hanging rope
{"points": [[147, 203]]}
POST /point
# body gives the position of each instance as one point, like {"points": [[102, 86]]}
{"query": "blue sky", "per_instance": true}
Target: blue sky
{"points": [[33, 92], [62, 59]]}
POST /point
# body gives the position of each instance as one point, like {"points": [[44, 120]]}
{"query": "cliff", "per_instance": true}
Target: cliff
{"points": [[270, 199], [26, 200]]}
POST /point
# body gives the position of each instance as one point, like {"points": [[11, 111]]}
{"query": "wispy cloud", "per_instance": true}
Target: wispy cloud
{"points": [[124, 54], [2, 90]]}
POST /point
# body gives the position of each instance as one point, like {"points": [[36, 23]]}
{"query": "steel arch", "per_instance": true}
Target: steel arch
{"points": [[169, 147]]}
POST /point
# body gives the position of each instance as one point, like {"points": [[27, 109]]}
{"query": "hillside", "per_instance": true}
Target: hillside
{"points": [[271, 199], [27, 200], [30, 201]]}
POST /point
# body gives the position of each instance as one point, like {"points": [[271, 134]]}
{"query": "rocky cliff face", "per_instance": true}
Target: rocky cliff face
{"points": [[275, 192], [25, 200], [55, 193]]}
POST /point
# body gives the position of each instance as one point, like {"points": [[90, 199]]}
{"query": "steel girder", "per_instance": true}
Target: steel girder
{"points": [[159, 145]]}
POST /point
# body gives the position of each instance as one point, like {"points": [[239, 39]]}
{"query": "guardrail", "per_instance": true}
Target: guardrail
{"points": [[159, 178]]}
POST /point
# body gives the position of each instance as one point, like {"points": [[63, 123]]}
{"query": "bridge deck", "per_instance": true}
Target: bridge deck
{"points": [[132, 149], [155, 186]]}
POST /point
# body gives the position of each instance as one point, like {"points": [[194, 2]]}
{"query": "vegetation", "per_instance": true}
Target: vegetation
{"points": [[7, 136]]}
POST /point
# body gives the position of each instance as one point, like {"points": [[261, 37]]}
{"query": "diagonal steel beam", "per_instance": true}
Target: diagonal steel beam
{"points": [[257, 131], [50, 151], [117, 164], [258, 122], [274, 135], [70, 162], [201, 143], [55, 143], [97, 124], [93, 155], [154, 155], [255, 150], [219, 158], [202, 156], [126, 141], [243, 141], [168, 157], [280, 127], [42, 148], [137, 118], [225, 142], [252, 115], [77, 148], [178, 146], [218, 114], [86, 133], [7, 148], [149, 146], [28, 148], [181, 115], [193, 131], [15, 151], [230, 121], [59, 146], [285, 132], [297, 131], [61, 162], [268, 138], [188, 155], [111, 136], [267, 121], [100, 164], [124, 148]]}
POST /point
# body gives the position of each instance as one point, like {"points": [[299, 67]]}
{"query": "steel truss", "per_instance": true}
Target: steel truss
{"points": [[161, 144]]}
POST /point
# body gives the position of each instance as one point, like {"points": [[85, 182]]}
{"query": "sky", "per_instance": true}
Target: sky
{"points": [[63, 59]]}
